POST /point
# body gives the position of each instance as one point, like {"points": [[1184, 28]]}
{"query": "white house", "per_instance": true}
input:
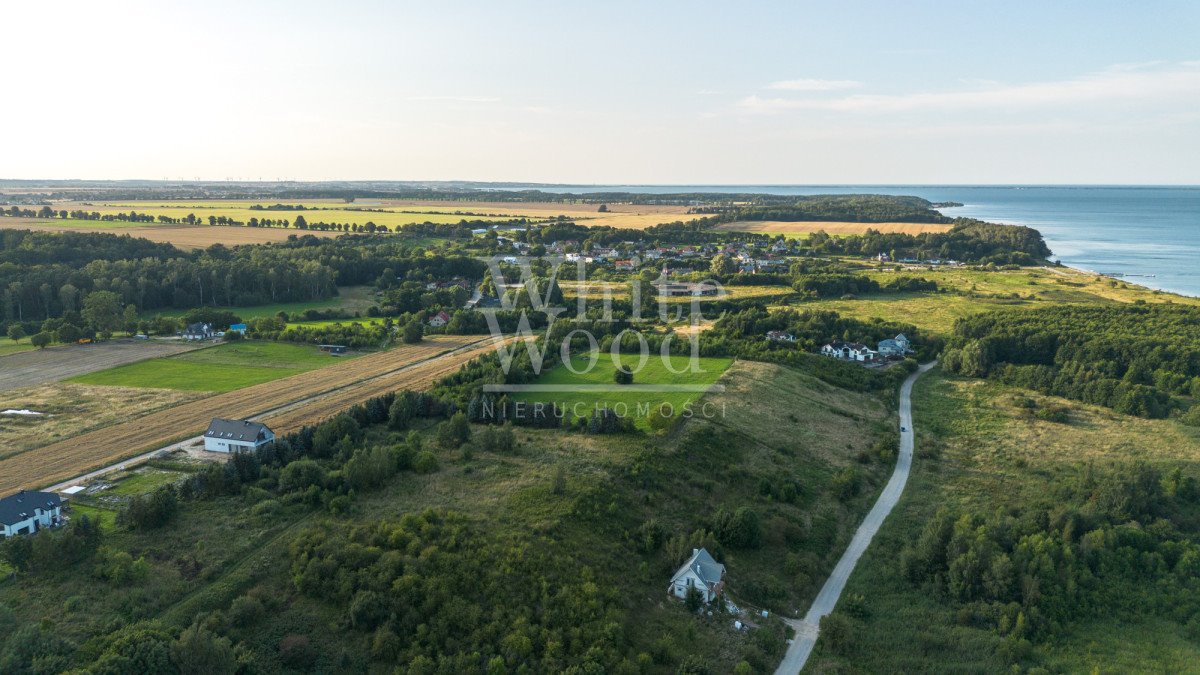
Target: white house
{"points": [[780, 336], [440, 319], [236, 436], [28, 512], [700, 572], [897, 346], [849, 351]]}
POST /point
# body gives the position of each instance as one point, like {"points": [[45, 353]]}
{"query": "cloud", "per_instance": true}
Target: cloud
{"points": [[814, 85], [457, 99], [1119, 83]]}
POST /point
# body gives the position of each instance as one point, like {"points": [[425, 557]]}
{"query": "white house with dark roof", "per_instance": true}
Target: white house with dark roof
{"points": [[236, 436], [700, 572], [28, 512], [849, 351]]}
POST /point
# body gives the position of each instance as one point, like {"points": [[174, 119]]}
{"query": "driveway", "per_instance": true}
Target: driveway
{"points": [[807, 630]]}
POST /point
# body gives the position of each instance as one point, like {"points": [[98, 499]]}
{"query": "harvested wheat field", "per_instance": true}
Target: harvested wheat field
{"points": [[799, 229], [416, 377], [102, 447], [182, 236]]}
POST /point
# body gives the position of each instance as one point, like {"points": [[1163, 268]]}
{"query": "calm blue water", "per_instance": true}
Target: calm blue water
{"points": [[1151, 235]]}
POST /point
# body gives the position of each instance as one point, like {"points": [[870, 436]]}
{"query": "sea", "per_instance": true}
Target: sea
{"points": [[1146, 235]]}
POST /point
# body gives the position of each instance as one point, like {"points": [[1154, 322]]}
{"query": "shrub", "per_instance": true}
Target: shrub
{"points": [[425, 462], [297, 652]]}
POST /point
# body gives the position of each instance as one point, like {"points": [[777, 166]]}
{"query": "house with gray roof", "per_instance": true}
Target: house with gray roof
{"points": [[236, 436], [29, 511], [700, 572]]}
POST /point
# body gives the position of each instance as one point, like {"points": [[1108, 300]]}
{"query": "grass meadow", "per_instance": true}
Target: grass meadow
{"points": [[222, 368], [654, 372], [978, 450]]}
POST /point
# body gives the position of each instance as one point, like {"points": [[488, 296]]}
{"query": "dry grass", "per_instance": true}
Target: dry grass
{"points": [[72, 409], [102, 447], [816, 416], [31, 368], [798, 229]]}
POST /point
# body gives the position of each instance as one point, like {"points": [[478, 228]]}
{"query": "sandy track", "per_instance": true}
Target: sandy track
{"points": [[322, 393], [29, 369]]}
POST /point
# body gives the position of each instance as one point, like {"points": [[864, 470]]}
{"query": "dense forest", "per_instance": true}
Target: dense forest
{"points": [[51, 275], [865, 208], [1118, 539], [1137, 359]]}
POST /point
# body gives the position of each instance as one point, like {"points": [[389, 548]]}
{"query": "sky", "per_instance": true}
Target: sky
{"points": [[613, 92]]}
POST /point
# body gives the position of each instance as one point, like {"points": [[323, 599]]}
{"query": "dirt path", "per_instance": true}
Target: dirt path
{"points": [[29, 369], [808, 629]]}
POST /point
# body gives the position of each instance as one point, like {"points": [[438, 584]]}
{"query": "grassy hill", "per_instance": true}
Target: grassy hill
{"points": [[994, 453], [566, 542]]}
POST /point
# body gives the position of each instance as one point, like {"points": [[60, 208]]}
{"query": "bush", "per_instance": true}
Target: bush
{"points": [[622, 376], [297, 652], [425, 462], [454, 432]]}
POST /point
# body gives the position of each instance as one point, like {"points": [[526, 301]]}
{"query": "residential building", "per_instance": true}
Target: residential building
{"points": [[700, 572], [28, 511], [236, 435]]}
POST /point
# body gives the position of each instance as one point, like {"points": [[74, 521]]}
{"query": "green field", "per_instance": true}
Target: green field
{"points": [[106, 517], [349, 298], [9, 347], [217, 369], [143, 481], [654, 372], [964, 292]]}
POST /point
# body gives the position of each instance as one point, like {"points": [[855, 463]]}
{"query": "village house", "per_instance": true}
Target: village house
{"points": [[700, 572], [897, 346], [198, 331], [780, 336], [28, 512], [625, 265], [849, 351], [667, 287], [236, 436], [440, 319]]}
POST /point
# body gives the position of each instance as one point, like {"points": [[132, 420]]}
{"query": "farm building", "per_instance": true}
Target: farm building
{"points": [[236, 436], [438, 320], [700, 572], [332, 349], [28, 512], [238, 328]]}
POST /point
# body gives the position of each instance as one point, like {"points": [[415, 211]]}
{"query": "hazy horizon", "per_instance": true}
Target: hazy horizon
{"points": [[666, 94]]}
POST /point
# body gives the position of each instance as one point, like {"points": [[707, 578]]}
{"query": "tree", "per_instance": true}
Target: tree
{"points": [[455, 431], [15, 332], [129, 319], [102, 310], [413, 331], [201, 652], [722, 265], [68, 333], [622, 376], [41, 340]]}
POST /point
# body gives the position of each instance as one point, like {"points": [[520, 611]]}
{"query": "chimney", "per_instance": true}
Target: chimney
{"points": [[695, 551]]}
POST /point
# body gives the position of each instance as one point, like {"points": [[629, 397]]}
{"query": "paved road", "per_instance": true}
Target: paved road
{"points": [[806, 630]]}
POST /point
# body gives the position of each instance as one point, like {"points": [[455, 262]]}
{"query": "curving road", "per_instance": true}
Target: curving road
{"points": [[806, 630]]}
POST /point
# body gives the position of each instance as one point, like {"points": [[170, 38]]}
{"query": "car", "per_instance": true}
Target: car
{"points": [[903, 429]]}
